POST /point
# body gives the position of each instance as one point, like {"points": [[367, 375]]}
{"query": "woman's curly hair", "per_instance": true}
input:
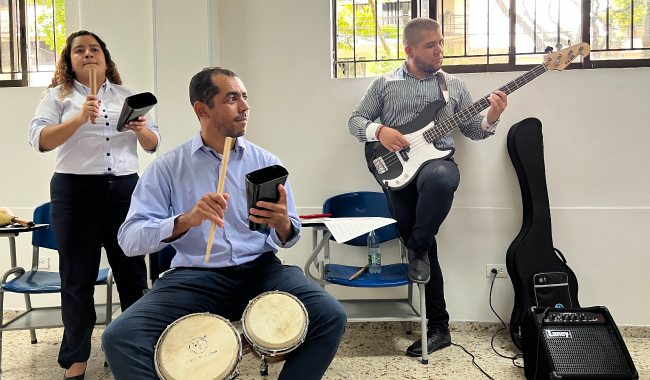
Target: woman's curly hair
{"points": [[64, 76]]}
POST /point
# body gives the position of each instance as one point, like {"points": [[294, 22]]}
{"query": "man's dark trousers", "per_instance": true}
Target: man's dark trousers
{"points": [[129, 340], [420, 208]]}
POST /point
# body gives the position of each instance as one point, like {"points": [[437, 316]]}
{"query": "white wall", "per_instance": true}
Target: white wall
{"points": [[594, 128]]}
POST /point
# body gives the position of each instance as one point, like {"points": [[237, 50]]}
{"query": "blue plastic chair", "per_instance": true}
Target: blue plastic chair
{"points": [[364, 204], [161, 261], [371, 204], [42, 282]]}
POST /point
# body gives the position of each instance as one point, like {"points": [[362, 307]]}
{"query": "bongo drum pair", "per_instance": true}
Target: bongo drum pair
{"points": [[205, 346]]}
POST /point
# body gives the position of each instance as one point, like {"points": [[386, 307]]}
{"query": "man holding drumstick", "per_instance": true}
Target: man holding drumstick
{"points": [[242, 263]]}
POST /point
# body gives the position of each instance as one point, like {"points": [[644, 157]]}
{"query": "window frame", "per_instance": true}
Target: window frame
{"points": [[585, 22], [22, 44], [22, 49], [335, 61]]}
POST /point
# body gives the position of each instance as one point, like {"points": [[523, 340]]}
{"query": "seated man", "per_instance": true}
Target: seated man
{"points": [[242, 263]]}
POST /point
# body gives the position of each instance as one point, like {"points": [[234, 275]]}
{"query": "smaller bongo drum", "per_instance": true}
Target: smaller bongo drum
{"points": [[275, 323], [199, 346]]}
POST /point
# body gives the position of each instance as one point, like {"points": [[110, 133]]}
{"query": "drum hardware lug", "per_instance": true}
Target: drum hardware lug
{"points": [[264, 367]]}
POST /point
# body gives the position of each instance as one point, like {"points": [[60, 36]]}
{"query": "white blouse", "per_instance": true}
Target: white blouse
{"points": [[94, 148]]}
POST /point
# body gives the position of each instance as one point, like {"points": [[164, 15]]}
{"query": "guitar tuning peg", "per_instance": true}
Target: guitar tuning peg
{"points": [[549, 49]]}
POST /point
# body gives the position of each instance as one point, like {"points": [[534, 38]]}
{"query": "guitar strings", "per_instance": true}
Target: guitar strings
{"points": [[419, 142]]}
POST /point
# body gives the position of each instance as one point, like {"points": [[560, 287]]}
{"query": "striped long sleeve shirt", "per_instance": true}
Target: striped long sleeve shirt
{"points": [[397, 97]]}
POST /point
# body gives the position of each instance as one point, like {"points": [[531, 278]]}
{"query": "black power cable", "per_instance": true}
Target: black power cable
{"points": [[513, 358], [473, 360]]}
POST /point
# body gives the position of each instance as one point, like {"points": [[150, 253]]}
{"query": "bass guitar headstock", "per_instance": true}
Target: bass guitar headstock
{"points": [[561, 58]]}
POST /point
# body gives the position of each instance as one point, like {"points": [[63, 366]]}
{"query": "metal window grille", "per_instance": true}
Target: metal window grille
{"points": [[482, 36], [31, 36]]}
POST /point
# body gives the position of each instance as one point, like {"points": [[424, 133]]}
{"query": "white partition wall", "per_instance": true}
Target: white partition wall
{"points": [[595, 135]]}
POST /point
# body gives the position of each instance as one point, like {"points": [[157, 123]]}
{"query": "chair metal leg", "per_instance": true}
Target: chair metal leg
{"points": [[423, 324], [314, 244], [409, 328], [322, 273], [109, 297], [28, 306], [12, 251], [2, 323]]}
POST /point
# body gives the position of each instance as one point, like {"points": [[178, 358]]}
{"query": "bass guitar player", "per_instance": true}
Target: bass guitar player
{"points": [[420, 206]]}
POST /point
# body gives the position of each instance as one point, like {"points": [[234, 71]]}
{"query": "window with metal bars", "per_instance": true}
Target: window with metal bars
{"points": [[32, 35], [481, 35]]}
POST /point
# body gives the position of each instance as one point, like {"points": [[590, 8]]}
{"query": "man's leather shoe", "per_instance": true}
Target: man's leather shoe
{"points": [[419, 270], [436, 339]]}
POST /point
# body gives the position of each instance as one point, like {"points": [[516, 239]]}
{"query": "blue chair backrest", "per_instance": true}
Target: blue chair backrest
{"points": [[361, 204], [165, 257], [43, 238]]}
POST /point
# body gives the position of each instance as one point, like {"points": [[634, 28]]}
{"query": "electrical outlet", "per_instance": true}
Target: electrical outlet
{"points": [[501, 270], [43, 263]]}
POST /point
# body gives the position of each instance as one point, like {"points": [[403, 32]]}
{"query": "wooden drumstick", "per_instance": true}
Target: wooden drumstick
{"points": [[358, 273], [93, 88], [222, 178]]}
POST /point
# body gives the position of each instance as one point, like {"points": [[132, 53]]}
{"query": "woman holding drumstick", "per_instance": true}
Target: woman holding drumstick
{"points": [[95, 174]]}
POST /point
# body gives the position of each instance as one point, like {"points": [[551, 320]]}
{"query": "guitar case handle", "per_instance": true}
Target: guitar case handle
{"points": [[557, 251]]}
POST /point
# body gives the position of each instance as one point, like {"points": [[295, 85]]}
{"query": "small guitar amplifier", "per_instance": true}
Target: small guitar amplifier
{"points": [[577, 343]]}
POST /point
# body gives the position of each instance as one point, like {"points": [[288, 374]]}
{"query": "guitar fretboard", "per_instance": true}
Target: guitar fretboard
{"points": [[442, 128]]}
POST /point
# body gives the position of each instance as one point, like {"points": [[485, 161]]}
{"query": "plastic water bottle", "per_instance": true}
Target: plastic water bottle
{"points": [[374, 257]]}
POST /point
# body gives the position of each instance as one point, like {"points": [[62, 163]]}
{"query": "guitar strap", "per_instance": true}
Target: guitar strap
{"points": [[443, 85]]}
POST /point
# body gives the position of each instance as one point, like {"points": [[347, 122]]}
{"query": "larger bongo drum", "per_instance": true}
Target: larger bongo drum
{"points": [[198, 346], [275, 323]]}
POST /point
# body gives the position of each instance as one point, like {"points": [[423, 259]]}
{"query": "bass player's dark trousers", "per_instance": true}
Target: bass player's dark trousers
{"points": [[420, 208]]}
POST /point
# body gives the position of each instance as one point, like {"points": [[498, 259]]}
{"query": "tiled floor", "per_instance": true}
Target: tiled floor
{"points": [[367, 352]]}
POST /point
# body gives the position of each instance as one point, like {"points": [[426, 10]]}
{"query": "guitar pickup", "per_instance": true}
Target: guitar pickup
{"points": [[405, 153], [380, 165]]}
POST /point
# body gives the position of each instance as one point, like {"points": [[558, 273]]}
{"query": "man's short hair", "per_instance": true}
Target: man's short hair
{"points": [[412, 34], [203, 89]]}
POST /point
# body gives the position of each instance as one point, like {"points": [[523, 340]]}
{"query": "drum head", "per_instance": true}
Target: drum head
{"points": [[198, 347], [275, 321]]}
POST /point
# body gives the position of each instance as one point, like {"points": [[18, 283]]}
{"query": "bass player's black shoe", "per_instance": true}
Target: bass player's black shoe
{"points": [[436, 339], [419, 270]]}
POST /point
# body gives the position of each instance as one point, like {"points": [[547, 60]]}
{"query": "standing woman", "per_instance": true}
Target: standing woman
{"points": [[95, 174]]}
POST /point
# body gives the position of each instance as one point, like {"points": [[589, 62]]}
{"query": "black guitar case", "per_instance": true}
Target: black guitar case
{"points": [[539, 273]]}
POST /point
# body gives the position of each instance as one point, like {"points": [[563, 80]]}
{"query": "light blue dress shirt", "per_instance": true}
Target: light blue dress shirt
{"points": [[178, 179]]}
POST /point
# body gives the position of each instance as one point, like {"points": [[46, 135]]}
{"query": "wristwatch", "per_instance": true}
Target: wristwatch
{"points": [[491, 124]]}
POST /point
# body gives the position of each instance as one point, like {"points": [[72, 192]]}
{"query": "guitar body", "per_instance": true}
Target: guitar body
{"points": [[405, 165], [532, 252], [396, 170]]}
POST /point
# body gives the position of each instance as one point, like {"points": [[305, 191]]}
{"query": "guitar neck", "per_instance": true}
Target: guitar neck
{"points": [[442, 128]]}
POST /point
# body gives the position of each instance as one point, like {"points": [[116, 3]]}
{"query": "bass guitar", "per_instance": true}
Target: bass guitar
{"points": [[395, 170]]}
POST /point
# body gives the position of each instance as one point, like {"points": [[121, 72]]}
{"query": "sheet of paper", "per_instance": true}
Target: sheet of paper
{"points": [[345, 229]]}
